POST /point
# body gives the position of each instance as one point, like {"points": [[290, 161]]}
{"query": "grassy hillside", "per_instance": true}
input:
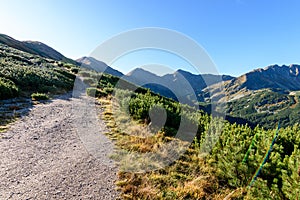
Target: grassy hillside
{"points": [[22, 74], [35, 48], [228, 171], [266, 107], [27, 75]]}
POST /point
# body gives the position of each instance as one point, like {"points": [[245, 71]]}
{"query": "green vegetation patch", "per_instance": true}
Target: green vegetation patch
{"points": [[27, 73], [23, 74], [266, 108], [39, 96], [8, 89], [214, 166]]}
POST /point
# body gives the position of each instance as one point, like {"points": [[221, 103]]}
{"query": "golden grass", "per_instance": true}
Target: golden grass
{"points": [[189, 177], [3, 128], [5, 123]]}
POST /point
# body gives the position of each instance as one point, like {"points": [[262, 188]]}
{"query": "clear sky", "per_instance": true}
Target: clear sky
{"points": [[239, 35]]}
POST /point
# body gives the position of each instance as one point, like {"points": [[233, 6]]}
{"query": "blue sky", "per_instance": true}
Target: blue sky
{"points": [[239, 35]]}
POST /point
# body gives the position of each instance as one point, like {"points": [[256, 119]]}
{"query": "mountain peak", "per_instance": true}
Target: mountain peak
{"points": [[276, 66], [93, 63], [141, 72], [89, 60], [181, 71], [285, 77]]}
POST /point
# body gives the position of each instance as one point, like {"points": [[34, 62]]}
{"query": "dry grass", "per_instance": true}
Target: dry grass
{"points": [[130, 135], [189, 177], [6, 122], [3, 128]]}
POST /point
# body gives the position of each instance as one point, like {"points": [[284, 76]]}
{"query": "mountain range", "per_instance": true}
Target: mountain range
{"points": [[277, 78], [179, 85], [263, 94], [206, 86], [273, 77]]}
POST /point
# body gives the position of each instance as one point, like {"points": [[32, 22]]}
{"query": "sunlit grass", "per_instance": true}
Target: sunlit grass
{"points": [[189, 177]]}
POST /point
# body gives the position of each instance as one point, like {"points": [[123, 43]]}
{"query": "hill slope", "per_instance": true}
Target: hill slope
{"points": [[23, 73], [262, 96], [36, 48], [274, 77], [99, 66]]}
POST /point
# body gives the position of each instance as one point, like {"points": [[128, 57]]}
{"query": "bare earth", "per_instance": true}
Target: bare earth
{"points": [[44, 156]]}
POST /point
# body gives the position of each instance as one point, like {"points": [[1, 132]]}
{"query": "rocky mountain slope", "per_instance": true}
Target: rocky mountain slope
{"points": [[274, 77]]}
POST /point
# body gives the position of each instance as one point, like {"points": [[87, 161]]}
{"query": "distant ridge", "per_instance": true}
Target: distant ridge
{"points": [[92, 63], [181, 82], [257, 97], [34, 47], [274, 77]]}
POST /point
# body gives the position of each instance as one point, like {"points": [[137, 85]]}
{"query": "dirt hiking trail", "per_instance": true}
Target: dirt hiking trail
{"points": [[53, 153]]}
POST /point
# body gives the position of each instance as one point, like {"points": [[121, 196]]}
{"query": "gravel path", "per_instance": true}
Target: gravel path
{"points": [[54, 153]]}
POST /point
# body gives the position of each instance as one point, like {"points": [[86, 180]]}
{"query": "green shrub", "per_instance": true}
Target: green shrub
{"points": [[101, 93], [39, 96], [91, 91], [84, 74], [31, 74], [108, 90], [89, 81], [74, 70], [46, 89], [96, 76], [68, 66], [95, 92], [8, 89], [65, 73]]}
